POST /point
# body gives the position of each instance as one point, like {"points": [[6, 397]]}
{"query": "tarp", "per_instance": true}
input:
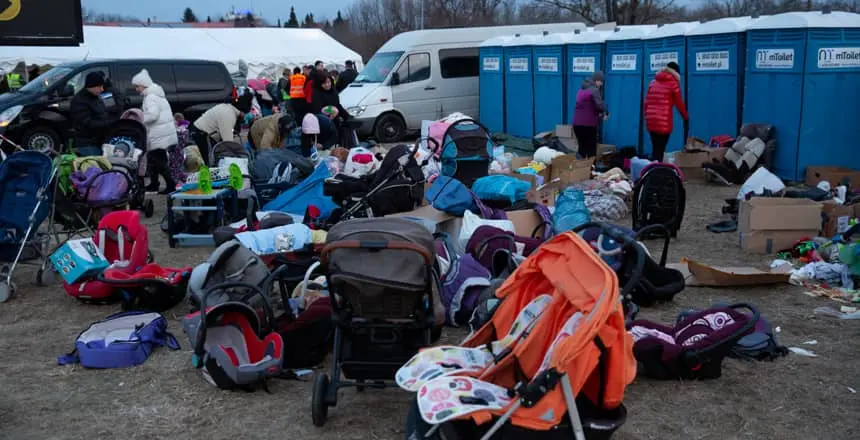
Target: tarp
{"points": [[267, 51]]}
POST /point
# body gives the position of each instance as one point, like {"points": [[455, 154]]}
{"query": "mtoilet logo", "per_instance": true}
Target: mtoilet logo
{"points": [[838, 57]]}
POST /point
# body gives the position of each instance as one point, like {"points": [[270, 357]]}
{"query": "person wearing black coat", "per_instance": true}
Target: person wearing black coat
{"points": [[90, 116], [347, 76], [324, 96]]}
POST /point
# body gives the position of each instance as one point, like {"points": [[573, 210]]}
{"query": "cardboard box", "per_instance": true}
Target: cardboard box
{"points": [[834, 175], [78, 259], [519, 162], [691, 164], [769, 224], [527, 223], [546, 194], [568, 169], [564, 131], [836, 218]]}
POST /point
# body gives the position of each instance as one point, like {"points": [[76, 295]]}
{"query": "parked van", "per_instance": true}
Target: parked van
{"points": [[37, 115], [426, 74]]}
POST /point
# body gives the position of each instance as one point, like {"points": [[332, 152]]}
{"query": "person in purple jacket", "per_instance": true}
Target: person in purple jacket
{"points": [[587, 114]]}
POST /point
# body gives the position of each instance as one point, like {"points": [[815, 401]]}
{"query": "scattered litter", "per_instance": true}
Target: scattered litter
{"points": [[853, 391], [811, 342], [777, 330], [802, 352], [844, 313]]}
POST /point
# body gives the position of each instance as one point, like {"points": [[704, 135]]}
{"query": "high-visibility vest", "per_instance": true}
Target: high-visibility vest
{"points": [[297, 86], [14, 81]]}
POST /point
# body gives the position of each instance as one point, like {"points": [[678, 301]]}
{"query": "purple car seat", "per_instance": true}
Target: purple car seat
{"points": [[695, 347]]}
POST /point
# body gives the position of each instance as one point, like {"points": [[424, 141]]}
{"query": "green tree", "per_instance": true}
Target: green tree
{"points": [[188, 16], [293, 22], [279, 22], [309, 21], [338, 21], [208, 19]]}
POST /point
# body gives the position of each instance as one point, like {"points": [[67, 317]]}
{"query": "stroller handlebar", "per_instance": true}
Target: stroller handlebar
{"points": [[376, 245]]}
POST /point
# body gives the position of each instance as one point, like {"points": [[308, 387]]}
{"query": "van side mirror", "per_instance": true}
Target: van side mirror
{"points": [[66, 91], [395, 79]]}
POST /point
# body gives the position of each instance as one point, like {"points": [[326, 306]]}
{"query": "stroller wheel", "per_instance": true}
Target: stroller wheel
{"points": [[319, 407], [148, 208], [6, 291], [45, 277]]}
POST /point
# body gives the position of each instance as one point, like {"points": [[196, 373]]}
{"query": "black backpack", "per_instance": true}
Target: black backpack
{"points": [[659, 198]]}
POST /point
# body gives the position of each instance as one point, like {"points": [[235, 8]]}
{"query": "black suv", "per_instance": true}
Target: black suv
{"points": [[37, 115]]}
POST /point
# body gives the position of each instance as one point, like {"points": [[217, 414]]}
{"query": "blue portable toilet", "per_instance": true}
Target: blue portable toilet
{"points": [[803, 76], [585, 55], [491, 85], [716, 59], [623, 85], [519, 86], [666, 44], [548, 59]]}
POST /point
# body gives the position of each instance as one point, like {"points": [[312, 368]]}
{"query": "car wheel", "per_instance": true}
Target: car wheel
{"points": [[389, 128], [41, 138]]}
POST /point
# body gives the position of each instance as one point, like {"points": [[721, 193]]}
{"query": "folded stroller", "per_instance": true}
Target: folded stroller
{"points": [[124, 242], [397, 186], [382, 316], [567, 376], [25, 201], [695, 347]]}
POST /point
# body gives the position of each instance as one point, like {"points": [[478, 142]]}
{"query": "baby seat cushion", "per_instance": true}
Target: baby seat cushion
{"points": [[695, 347], [439, 361]]}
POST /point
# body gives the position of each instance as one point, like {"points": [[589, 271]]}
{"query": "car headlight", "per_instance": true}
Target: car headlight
{"points": [[9, 115], [357, 110]]}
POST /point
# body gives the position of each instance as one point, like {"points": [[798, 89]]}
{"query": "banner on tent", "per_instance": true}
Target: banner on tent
{"points": [[491, 64], [659, 60], [26, 23], [583, 64], [715, 60], [624, 62], [774, 58], [518, 65], [838, 57]]}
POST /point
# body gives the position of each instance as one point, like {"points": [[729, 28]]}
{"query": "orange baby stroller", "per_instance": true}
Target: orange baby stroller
{"points": [[567, 375]]}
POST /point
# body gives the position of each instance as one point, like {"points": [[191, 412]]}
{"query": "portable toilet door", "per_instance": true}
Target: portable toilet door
{"points": [[548, 59], [716, 57], [585, 53], [773, 86], [519, 87], [830, 112], [665, 45], [623, 85], [491, 88]]}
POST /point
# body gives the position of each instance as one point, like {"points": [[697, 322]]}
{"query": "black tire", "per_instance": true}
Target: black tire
{"points": [[41, 138], [390, 127], [319, 407], [148, 208]]}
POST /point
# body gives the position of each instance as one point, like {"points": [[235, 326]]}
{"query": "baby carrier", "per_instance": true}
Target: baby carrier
{"points": [[124, 242], [659, 198], [467, 150], [127, 138], [234, 267], [384, 316], [695, 347]]}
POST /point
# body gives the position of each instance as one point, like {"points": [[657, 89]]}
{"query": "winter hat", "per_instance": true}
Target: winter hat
{"points": [[310, 124], [674, 66], [142, 79], [597, 75], [94, 79], [244, 103]]}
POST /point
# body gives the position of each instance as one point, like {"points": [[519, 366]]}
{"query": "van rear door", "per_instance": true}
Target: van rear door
{"points": [[416, 95]]}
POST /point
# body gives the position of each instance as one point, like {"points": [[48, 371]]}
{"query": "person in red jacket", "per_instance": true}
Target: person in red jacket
{"points": [[664, 92]]}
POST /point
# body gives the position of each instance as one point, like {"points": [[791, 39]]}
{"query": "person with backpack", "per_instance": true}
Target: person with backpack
{"points": [[589, 109], [664, 93]]}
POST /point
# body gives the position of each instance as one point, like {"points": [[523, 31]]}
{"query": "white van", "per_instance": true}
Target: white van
{"points": [[425, 75]]}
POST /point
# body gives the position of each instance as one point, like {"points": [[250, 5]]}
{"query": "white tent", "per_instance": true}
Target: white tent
{"points": [[265, 50]]}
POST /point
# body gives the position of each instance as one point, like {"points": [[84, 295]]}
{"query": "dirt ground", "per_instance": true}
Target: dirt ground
{"points": [[795, 397]]}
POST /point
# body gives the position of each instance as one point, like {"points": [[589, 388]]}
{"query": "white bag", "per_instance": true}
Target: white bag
{"points": [[759, 181], [471, 222]]}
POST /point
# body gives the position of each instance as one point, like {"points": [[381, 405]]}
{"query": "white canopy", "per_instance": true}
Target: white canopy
{"points": [[267, 51]]}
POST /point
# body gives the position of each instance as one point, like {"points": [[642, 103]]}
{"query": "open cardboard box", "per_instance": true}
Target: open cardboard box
{"points": [[698, 274], [834, 175], [771, 224]]}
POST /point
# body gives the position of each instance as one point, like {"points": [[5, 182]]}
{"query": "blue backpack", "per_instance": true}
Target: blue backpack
{"points": [[466, 152], [121, 340]]}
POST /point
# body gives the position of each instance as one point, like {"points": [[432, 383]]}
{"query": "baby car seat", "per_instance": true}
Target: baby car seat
{"points": [[232, 348], [234, 267], [124, 242], [659, 198], [695, 347]]}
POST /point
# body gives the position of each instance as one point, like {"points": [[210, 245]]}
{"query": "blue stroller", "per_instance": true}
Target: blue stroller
{"points": [[25, 201]]}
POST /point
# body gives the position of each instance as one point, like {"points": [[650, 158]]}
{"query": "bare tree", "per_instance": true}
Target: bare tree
{"points": [[621, 11]]}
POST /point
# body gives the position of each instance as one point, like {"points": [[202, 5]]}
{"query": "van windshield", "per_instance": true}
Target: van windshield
{"points": [[378, 68], [46, 80]]}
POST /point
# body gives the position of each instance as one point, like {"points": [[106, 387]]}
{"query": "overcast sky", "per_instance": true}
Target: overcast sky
{"points": [[171, 10]]}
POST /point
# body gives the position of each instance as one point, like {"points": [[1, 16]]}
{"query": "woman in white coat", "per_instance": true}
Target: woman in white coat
{"points": [[160, 130]]}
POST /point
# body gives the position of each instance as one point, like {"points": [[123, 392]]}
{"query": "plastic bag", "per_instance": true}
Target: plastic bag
{"points": [[450, 195], [760, 180], [570, 211]]}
